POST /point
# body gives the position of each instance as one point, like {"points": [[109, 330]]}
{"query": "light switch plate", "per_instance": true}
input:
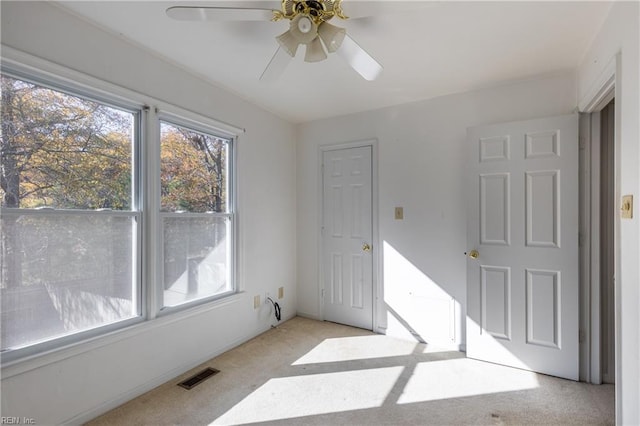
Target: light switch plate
{"points": [[626, 207], [399, 213]]}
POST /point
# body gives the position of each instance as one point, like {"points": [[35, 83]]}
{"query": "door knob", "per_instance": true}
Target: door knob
{"points": [[473, 254], [366, 247]]}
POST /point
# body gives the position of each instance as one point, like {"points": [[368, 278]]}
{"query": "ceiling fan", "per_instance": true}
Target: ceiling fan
{"points": [[308, 26]]}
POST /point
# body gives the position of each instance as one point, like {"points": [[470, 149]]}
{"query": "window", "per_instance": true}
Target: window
{"points": [[74, 166], [69, 218], [196, 214]]}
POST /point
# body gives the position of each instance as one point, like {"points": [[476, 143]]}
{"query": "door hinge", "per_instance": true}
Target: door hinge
{"points": [[322, 293], [581, 336]]}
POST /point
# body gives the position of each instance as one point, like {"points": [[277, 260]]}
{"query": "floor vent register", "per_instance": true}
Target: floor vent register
{"points": [[198, 378]]}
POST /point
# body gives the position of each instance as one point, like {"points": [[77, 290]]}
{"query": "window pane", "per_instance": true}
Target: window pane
{"points": [[193, 170], [63, 272], [62, 151], [67, 273], [197, 258]]}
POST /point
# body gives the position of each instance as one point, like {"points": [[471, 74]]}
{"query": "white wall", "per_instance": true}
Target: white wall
{"points": [[78, 383], [421, 168], [620, 34]]}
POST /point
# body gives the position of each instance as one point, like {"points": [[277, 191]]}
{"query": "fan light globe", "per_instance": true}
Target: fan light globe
{"points": [[300, 23], [331, 35], [288, 42], [304, 24], [315, 51]]}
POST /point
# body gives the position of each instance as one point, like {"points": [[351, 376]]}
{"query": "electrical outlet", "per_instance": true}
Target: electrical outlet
{"points": [[266, 297], [256, 301], [280, 292]]}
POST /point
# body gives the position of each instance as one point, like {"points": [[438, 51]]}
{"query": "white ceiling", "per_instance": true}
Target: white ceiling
{"points": [[428, 49]]}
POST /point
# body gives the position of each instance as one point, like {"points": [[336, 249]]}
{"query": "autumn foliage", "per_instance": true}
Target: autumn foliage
{"points": [[65, 152]]}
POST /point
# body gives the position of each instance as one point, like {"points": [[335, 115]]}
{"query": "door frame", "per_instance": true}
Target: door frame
{"points": [[606, 87], [377, 290]]}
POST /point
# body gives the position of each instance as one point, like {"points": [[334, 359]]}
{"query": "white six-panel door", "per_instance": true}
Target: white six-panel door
{"points": [[522, 220], [346, 236]]}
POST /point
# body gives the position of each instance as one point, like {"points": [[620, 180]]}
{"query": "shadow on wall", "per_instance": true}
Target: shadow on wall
{"points": [[417, 306]]}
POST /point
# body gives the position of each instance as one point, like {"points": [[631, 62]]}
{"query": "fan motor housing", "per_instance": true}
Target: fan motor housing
{"points": [[318, 10]]}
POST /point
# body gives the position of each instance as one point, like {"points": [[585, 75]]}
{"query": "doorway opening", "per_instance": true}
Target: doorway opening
{"points": [[598, 221], [607, 230]]}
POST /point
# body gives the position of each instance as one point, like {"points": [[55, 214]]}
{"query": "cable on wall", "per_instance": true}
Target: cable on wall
{"points": [[276, 308]]}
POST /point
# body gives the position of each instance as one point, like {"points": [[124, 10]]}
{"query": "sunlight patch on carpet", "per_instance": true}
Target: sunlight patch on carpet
{"points": [[457, 378], [314, 394], [356, 348]]}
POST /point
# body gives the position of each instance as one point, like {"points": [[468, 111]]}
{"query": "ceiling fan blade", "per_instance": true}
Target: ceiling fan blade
{"points": [[276, 66], [359, 59], [194, 13]]}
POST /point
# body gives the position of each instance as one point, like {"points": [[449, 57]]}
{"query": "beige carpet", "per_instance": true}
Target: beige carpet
{"points": [[308, 372]]}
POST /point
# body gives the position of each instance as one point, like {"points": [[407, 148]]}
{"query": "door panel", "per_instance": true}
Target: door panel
{"points": [[496, 301], [543, 310], [543, 211], [522, 289], [494, 209], [346, 236]]}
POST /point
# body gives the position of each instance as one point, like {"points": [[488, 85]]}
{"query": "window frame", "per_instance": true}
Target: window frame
{"points": [[201, 125], [145, 206], [135, 211]]}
